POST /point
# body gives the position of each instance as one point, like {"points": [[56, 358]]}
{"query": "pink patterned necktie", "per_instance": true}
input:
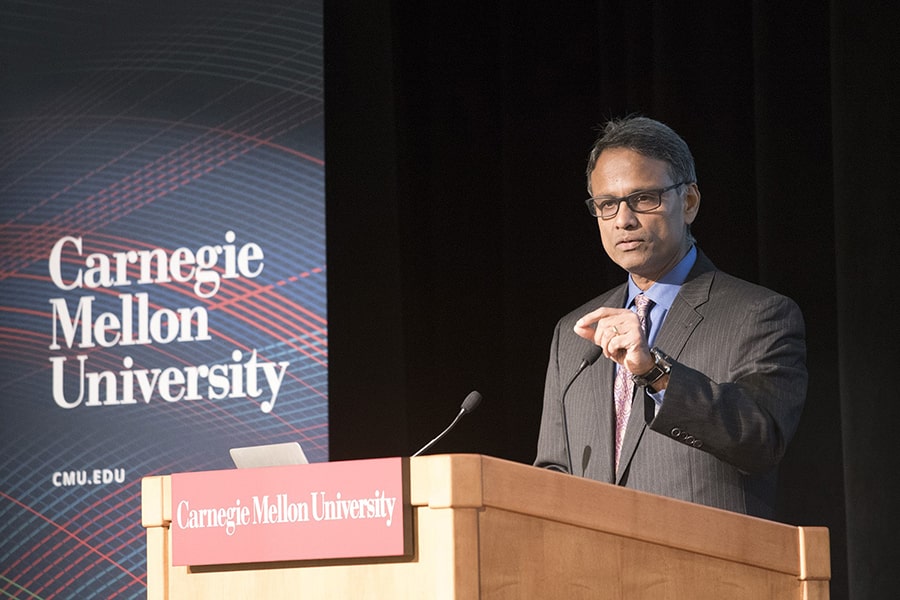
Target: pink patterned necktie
{"points": [[623, 390]]}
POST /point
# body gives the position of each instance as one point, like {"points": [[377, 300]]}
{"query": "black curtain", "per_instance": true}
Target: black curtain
{"points": [[456, 141]]}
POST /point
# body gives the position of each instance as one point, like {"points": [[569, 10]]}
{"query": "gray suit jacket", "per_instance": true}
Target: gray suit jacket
{"points": [[733, 401]]}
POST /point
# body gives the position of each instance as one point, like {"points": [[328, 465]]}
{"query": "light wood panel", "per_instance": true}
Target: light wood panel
{"points": [[491, 529]]}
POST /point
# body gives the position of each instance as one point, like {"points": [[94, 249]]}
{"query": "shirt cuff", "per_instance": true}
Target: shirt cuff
{"points": [[658, 398]]}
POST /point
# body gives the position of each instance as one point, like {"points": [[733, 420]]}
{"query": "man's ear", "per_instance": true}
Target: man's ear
{"points": [[691, 203]]}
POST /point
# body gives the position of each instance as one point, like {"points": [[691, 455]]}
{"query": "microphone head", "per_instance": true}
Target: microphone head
{"points": [[591, 356], [471, 402]]}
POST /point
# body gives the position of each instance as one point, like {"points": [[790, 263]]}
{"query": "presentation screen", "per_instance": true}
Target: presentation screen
{"points": [[163, 279]]}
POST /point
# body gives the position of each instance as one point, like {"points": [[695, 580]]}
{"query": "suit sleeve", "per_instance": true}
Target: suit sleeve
{"points": [[739, 396]]}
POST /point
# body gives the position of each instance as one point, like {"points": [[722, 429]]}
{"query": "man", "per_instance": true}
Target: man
{"points": [[710, 378]]}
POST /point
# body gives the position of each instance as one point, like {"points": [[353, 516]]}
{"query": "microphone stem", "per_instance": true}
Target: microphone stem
{"points": [[462, 411]]}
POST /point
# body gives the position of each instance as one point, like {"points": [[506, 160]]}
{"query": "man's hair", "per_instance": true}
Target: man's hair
{"points": [[649, 138]]}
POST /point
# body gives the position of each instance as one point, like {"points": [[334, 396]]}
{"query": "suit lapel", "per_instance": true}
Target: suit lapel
{"points": [[681, 321], [683, 317]]}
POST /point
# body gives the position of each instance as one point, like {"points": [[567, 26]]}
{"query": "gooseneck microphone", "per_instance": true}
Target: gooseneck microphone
{"points": [[469, 404], [590, 357]]}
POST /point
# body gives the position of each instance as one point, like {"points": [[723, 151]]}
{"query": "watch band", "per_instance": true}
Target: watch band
{"points": [[662, 366]]}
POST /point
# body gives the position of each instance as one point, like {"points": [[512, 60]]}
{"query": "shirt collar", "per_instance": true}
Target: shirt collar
{"points": [[663, 292]]}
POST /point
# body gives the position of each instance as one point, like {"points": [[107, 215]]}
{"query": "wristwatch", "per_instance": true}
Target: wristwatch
{"points": [[662, 366]]}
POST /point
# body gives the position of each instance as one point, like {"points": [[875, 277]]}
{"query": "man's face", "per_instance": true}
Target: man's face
{"points": [[647, 245]]}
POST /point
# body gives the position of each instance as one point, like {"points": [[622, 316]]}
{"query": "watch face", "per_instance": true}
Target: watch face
{"points": [[661, 359]]}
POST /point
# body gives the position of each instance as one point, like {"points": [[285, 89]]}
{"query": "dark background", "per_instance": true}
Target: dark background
{"points": [[456, 140]]}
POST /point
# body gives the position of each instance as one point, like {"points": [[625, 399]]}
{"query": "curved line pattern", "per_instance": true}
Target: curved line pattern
{"points": [[173, 125]]}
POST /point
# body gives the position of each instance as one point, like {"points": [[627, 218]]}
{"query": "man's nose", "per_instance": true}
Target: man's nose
{"points": [[625, 217]]}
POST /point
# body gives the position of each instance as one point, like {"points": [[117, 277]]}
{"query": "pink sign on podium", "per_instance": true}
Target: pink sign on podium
{"points": [[349, 509]]}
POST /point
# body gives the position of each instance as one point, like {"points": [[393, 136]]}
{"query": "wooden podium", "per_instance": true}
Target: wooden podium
{"points": [[486, 528]]}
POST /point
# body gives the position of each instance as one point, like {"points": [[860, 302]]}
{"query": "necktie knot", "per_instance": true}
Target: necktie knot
{"points": [[643, 304]]}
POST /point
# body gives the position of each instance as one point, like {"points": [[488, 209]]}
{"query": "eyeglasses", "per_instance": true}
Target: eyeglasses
{"points": [[607, 207]]}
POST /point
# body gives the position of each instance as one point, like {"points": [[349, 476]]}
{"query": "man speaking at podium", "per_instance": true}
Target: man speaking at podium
{"points": [[693, 380]]}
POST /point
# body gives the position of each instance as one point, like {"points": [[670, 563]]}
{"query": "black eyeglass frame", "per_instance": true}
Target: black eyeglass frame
{"points": [[630, 200]]}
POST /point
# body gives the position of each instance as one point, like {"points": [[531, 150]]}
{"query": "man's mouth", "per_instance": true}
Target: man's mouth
{"points": [[628, 244]]}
